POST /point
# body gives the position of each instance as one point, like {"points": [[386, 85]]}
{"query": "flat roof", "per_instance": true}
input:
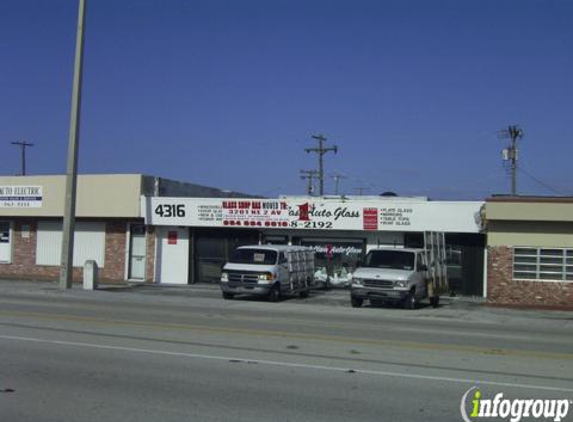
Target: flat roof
{"points": [[531, 199]]}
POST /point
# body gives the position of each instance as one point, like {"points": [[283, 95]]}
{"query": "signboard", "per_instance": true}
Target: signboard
{"points": [[172, 237], [20, 196], [315, 214]]}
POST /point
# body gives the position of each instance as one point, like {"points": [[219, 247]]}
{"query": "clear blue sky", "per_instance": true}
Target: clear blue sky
{"points": [[228, 93]]}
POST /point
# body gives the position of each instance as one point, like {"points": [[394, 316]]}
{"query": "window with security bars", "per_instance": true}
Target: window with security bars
{"points": [[545, 264]]}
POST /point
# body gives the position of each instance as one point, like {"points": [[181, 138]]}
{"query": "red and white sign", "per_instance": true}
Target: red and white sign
{"points": [[254, 213], [373, 214], [370, 218], [172, 237]]}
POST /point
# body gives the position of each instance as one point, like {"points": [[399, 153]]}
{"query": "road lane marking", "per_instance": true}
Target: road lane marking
{"points": [[283, 352], [296, 335], [475, 382]]}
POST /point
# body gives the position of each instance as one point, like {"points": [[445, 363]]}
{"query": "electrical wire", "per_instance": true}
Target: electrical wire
{"points": [[541, 183]]}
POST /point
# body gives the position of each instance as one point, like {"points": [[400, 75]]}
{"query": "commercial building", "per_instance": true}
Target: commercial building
{"points": [[530, 250], [194, 236], [109, 224], [147, 229]]}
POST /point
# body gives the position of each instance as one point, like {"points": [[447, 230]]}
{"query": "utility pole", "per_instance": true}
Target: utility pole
{"points": [[309, 175], [66, 270], [510, 154], [23, 146], [321, 150], [337, 177]]}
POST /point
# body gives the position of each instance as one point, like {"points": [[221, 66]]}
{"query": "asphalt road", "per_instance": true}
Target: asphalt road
{"points": [[149, 354]]}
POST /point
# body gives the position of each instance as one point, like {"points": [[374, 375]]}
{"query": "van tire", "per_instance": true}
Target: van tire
{"points": [[356, 302], [228, 296], [435, 301], [275, 293], [411, 302], [303, 294]]}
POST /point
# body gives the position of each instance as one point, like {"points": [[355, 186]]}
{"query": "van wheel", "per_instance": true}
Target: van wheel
{"points": [[356, 302], [303, 294], [411, 302], [275, 293], [228, 296], [435, 301]]}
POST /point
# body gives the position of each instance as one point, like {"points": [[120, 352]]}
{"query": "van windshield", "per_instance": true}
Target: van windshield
{"points": [[254, 256], [396, 260]]}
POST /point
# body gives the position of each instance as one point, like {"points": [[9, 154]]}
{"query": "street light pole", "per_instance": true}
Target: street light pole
{"points": [[66, 271]]}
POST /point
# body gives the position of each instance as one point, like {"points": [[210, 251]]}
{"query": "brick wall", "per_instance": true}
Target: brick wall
{"points": [[115, 250], [501, 289], [150, 259], [24, 266]]}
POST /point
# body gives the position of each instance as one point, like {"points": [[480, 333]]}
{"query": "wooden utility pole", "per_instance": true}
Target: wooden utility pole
{"points": [[23, 146], [309, 175], [511, 154], [321, 150], [337, 177]]}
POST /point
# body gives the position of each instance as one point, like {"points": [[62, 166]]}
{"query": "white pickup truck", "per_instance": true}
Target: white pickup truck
{"points": [[268, 270], [402, 275]]}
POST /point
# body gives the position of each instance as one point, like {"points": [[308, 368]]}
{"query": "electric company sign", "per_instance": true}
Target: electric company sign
{"points": [[307, 214], [21, 196]]}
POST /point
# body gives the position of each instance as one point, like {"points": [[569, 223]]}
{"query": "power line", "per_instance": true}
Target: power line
{"points": [[545, 185], [321, 150]]}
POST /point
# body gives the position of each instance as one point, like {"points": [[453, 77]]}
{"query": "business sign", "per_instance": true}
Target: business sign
{"points": [[314, 214], [20, 196]]}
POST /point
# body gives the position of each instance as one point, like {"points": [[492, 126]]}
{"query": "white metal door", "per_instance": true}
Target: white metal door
{"points": [[137, 249], [5, 242], [172, 255]]}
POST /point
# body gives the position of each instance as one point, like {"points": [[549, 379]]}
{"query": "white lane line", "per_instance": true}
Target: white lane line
{"points": [[476, 382]]}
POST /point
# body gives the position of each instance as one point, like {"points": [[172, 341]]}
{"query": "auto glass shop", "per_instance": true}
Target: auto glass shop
{"points": [[195, 236]]}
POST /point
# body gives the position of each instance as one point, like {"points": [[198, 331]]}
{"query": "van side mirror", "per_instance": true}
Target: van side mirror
{"points": [[359, 262], [423, 267]]}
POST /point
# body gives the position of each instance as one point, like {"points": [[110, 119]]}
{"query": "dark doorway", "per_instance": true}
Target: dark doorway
{"points": [[464, 258], [211, 249]]}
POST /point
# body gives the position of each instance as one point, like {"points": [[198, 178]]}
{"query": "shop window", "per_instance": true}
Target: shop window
{"points": [[335, 260], [542, 264]]}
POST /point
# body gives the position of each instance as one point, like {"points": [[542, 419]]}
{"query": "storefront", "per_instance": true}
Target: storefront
{"points": [[340, 230], [109, 226]]}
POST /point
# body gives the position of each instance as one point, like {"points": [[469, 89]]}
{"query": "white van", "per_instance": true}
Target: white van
{"points": [[402, 275], [268, 270]]}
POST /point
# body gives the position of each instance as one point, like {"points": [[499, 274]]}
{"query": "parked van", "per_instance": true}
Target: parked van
{"points": [[402, 275], [268, 270]]}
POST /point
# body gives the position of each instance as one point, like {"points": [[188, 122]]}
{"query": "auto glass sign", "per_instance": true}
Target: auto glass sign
{"points": [[258, 213], [327, 216], [20, 196], [308, 214]]}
